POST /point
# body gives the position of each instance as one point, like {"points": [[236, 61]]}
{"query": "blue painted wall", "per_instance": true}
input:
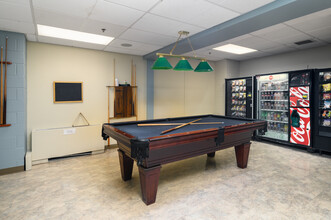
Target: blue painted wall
{"points": [[150, 90], [13, 138]]}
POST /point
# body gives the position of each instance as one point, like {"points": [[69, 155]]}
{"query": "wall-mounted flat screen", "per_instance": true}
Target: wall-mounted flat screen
{"points": [[66, 92]]}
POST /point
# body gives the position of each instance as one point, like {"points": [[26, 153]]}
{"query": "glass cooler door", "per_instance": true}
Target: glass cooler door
{"points": [[272, 105]]}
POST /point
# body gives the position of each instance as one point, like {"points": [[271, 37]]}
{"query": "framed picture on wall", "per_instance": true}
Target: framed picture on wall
{"points": [[67, 92]]}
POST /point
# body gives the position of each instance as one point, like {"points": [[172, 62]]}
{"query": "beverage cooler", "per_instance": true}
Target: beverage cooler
{"points": [[272, 97], [322, 133], [239, 94], [284, 101]]}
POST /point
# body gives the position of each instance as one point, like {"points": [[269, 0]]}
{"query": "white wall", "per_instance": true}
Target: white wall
{"points": [[319, 57], [181, 93], [47, 63]]}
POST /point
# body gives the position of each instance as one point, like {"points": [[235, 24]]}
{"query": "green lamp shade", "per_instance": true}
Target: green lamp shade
{"points": [[203, 67], [183, 65], [161, 64]]}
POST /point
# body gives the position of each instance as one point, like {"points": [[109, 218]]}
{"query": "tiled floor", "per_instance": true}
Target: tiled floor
{"points": [[279, 183]]}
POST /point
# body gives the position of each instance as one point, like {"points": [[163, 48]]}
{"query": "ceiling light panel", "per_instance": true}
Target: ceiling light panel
{"points": [[114, 13], [66, 34], [232, 48], [165, 26], [77, 8], [140, 5]]}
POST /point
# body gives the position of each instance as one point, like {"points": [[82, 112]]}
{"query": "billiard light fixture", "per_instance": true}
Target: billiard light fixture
{"points": [[183, 65], [67, 34]]}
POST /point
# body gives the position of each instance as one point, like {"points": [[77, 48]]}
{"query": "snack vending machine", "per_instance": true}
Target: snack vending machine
{"points": [[322, 125], [300, 108], [272, 105], [239, 97]]}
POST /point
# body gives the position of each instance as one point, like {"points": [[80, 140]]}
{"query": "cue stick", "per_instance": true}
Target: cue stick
{"points": [[5, 82], [1, 92], [171, 129], [163, 124]]}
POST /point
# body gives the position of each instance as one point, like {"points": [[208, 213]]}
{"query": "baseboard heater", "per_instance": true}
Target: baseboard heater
{"points": [[60, 142]]}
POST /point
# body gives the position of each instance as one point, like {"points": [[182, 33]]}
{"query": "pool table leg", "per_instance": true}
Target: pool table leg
{"points": [[242, 152], [211, 154], [149, 180], [126, 164]]}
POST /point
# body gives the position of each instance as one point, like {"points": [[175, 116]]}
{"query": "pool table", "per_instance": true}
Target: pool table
{"points": [[151, 149]]}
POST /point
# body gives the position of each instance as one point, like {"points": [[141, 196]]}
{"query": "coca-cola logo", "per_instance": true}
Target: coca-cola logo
{"points": [[271, 77], [299, 96], [301, 134]]}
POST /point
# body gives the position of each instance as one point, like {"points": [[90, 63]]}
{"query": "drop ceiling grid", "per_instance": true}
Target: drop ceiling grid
{"points": [[15, 12]]}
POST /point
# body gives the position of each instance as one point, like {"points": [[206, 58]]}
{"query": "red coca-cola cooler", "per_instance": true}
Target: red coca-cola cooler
{"points": [[300, 108]]}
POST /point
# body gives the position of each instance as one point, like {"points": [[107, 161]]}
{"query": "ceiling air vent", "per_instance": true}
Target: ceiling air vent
{"points": [[303, 42]]}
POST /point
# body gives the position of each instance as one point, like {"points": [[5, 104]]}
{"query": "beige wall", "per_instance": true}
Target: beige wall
{"points": [[47, 63], [224, 69], [319, 57], [181, 93]]}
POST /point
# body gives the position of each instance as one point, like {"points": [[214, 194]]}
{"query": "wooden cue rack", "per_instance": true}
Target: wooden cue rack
{"points": [[3, 88], [127, 90]]}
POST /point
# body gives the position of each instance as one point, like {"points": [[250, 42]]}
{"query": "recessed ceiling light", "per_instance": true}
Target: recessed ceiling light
{"points": [[231, 48], [49, 31], [126, 45]]}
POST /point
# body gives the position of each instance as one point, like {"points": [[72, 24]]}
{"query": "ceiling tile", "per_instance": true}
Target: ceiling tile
{"points": [[322, 34], [241, 6], [124, 51], [135, 45], [20, 2], [115, 14], [17, 26], [55, 19], [140, 5], [165, 26], [58, 41], [197, 12], [95, 27], [281, 33], [88, 45], [279, 49], [254, 42], [312, 22], [144, 36], [15, 11], [31, 37], [77, 8]]}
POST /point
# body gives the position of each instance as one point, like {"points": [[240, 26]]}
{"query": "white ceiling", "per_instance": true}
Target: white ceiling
{"points": [[152, 24]]}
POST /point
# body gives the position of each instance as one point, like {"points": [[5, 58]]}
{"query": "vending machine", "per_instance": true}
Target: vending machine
{"points": [[284, 100], [322, 110], [300, 108], [239, 96]]}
